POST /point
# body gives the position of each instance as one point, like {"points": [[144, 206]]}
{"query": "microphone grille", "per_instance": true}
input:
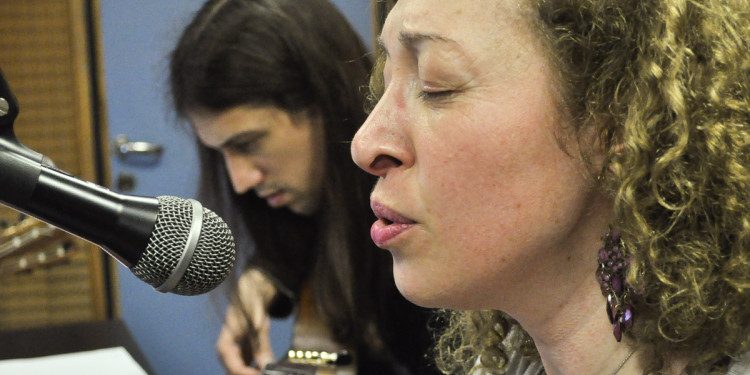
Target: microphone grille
{"points": [[213, 257]]}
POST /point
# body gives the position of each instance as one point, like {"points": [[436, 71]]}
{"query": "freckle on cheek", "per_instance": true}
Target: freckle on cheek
{"points": [[400, 104]]}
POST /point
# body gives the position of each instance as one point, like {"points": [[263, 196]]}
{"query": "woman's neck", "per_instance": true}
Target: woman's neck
{"points": [[564, 310], [579, 340]]}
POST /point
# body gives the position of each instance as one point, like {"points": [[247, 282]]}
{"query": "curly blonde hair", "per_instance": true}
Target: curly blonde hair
{"points": [[666, 86]]}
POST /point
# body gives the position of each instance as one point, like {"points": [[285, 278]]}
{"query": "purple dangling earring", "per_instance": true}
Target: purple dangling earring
{"points": [[611, 275]]}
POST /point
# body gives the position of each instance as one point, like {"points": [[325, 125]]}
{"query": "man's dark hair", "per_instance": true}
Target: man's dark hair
{"points": [[301, 57]]}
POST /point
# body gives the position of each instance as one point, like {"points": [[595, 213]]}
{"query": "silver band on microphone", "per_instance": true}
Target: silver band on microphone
{"points": [[190, 245]]}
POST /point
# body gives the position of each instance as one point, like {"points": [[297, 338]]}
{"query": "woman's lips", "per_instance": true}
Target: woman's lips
{"points": [[389, 224]]}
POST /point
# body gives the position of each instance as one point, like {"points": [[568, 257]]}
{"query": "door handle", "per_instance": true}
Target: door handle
{"points": [[138, 152]]}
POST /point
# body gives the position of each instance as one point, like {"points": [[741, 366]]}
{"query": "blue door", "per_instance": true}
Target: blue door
{"points": [[176, 333]]}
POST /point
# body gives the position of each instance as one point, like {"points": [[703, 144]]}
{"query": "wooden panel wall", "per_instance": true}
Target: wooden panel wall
{"points": [[44, 55]]}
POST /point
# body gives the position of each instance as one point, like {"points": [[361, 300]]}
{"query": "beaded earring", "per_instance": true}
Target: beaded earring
{"points": [[611, 274]]}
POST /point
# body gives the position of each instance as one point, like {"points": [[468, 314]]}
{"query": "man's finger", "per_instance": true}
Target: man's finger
{"points": [[230, 356]]}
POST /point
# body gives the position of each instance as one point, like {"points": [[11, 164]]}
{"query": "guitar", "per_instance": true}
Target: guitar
{"points": [[31, 244], [315, 352], [310, 362]]}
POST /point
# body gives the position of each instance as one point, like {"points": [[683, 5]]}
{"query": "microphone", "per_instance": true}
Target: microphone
{"points": [[173, 244]]}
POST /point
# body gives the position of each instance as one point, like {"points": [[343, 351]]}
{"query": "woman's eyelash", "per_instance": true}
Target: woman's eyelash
{"points": [[435, 95]]}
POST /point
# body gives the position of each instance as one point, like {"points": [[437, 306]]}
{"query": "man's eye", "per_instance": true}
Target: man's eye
{"points": [[244, 148]]}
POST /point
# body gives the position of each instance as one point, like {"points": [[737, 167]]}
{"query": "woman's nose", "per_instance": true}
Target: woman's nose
{"points": [[243, 172], [381, 144]]}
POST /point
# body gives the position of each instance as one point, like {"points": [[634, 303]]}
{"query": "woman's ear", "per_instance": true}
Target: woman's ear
{"points": [[600, 149], [611, 151]]}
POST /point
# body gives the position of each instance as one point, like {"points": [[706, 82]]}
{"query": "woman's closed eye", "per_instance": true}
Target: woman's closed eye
{"points": [[436, 95]]}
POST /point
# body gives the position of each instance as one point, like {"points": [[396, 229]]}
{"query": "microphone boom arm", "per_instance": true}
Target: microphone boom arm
{"points": [[8, 112], [30, 183]]}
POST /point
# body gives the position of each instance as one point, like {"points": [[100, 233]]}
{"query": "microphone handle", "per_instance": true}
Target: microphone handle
{"points": [[121, 224]]}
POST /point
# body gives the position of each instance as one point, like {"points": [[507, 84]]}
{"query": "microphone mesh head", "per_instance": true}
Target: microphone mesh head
{"points": [[214, 254]]}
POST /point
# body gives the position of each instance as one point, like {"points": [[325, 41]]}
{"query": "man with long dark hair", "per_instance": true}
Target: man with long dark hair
{"points": [[273, 91]]}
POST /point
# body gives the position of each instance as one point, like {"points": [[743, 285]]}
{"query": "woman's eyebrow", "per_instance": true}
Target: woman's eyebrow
{"points": [[409, 39]]}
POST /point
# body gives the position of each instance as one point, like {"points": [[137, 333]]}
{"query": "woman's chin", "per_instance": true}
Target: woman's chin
{"points": [[421, 292], [438, 293]]}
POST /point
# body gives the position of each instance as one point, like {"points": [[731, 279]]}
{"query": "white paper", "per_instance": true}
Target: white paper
{"points": [[110, 361]]}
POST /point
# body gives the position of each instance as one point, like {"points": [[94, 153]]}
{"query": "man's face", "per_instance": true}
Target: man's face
{"points": [[279, 156]]}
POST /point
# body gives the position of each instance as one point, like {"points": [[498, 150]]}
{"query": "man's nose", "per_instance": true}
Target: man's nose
{"points": [[243, 172]]}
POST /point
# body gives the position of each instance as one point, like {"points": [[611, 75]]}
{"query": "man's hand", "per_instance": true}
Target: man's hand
{"points": [[244, 344]]}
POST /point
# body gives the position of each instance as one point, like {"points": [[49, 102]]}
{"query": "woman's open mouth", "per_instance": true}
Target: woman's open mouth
{"points": [[389, 225]]}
